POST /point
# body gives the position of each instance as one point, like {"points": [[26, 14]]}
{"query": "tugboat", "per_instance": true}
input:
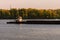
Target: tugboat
{"points": [[19, 19]]}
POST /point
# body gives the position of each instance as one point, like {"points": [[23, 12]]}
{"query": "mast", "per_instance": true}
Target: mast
{"points": [[10, 6]]}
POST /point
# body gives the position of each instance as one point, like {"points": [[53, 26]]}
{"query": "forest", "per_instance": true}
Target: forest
{"points": [[30, 13]]}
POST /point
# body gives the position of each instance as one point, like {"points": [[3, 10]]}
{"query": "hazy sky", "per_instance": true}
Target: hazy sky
{"points": [[41, 4]]}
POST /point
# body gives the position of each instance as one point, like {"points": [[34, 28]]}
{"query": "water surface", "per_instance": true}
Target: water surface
{"points": [[28, 31]]}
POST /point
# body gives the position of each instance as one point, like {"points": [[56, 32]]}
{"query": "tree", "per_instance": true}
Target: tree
{"points": [[14, 13]]}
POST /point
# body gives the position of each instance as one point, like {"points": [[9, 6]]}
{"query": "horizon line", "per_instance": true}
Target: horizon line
{"points": [[28, 8]]}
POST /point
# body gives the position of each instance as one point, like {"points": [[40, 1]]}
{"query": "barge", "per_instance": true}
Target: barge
{"points": [[36, 21]]}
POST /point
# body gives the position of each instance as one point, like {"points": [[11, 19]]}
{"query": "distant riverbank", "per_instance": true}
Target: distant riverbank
{"points": [[30, 13]]}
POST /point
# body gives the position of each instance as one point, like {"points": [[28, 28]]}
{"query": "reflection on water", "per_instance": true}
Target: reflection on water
{"points": [[28, 31]]}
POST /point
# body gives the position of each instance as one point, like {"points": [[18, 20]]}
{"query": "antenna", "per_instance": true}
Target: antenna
{"points": [[10, 6]]}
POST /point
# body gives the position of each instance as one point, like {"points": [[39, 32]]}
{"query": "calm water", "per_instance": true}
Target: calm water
{"points": [[28, 31]]}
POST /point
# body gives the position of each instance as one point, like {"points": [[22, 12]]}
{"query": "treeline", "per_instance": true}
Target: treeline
{"points": [[30, 13]]}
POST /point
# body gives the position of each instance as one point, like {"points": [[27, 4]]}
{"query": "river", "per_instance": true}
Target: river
{"points": [[29, 31]]}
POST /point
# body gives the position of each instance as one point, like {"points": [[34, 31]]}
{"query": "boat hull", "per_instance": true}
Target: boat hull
{"points": [[35, 22]]}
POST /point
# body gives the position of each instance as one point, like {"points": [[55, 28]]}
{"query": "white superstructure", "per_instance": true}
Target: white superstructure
{"points": [[19, 19]]}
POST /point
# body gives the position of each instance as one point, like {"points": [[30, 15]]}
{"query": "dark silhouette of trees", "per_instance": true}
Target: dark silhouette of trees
{"points": [[30, 13]]}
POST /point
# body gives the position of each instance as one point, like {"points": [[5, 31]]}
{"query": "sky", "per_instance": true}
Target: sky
{"points": [[39, 4]]}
